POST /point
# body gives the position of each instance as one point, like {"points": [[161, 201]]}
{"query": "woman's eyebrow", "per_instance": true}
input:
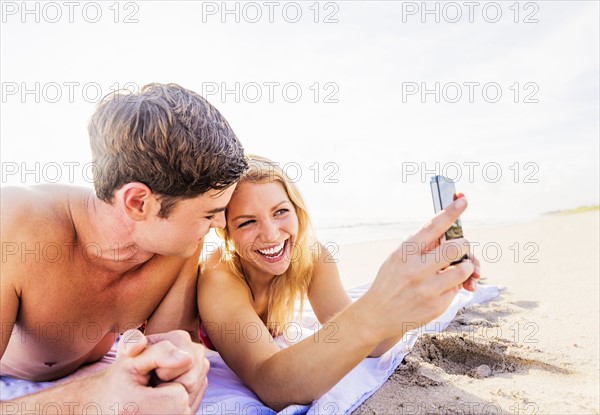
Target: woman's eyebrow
{"points": [[252, 216], [279, 204]]}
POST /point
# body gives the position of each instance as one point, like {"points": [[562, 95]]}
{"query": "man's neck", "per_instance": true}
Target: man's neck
{"points": [[108, 237]]}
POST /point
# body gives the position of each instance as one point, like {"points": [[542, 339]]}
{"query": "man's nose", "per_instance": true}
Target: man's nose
{"points": [[219, 221]]}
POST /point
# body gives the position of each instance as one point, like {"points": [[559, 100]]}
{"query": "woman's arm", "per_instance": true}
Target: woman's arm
{"points": [[295, 375], [328, 297], [408, 288]]}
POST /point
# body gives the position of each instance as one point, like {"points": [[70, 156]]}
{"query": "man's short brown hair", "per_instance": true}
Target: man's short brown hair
{"points": [[167, 137]]}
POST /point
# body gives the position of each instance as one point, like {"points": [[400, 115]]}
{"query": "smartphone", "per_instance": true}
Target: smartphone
{"points": [[443, 193]]}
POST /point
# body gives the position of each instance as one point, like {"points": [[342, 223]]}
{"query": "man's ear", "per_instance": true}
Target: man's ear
{"points": [[138, 201]]}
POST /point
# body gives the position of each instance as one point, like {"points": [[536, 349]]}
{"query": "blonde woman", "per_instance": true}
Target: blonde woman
{"points": [[247, 292]]}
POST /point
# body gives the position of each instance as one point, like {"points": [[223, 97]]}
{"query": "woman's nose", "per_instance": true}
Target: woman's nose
{"points": [[270, 231]]}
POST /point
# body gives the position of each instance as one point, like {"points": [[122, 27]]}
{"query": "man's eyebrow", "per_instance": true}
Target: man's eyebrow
{"points": [[217, 210]]}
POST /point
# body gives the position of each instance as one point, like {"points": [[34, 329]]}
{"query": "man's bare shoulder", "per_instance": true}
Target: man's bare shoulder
{"points": [[38, 213]]}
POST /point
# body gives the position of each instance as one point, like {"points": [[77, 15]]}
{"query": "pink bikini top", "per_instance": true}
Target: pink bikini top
{"points": [[204, 337], [206, 340]]}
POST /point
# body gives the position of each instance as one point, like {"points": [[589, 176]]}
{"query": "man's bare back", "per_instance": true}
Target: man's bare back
{"points": [[71, 308]]}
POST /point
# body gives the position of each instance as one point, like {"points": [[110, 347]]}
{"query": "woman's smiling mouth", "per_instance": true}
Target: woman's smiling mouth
{"points": [[275, 252]]}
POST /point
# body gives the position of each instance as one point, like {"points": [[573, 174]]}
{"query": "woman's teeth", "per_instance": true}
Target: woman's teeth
{"points": [[274, 251]]}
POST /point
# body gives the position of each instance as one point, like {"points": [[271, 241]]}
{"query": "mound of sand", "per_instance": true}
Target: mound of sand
{"points": [[436, 376]]}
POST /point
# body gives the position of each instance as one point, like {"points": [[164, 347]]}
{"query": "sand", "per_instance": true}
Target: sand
{"points": [[532, 350]]}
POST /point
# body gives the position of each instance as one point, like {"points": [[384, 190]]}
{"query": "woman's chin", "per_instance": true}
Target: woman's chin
{"points": [[276, 268]]}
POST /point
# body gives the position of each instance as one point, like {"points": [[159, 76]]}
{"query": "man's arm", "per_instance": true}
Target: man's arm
{"points": [[9, 299], [121, 388], [9, 304], [178, 310], [178, 313]]}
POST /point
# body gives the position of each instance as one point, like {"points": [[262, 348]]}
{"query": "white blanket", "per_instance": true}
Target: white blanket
{"points": [[227, 394]]}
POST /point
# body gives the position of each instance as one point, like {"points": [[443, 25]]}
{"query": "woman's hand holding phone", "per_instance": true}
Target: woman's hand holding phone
{"points": [[443, 192], [417, 282]]}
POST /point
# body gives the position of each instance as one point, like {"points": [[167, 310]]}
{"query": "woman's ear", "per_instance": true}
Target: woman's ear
{"points": [[137, 200]]}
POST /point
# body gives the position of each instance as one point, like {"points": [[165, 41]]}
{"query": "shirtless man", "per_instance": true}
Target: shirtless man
{"points": [[79, 268]]}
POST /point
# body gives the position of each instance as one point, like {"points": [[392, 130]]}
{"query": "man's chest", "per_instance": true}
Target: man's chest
{"points": [[86, 303], [68, 315]]}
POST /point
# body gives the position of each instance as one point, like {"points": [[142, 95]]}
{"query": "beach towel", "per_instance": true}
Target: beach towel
{"points": [[227, 394]]}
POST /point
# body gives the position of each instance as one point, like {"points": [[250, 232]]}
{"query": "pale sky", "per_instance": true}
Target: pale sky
{"points": [[359, 132]]}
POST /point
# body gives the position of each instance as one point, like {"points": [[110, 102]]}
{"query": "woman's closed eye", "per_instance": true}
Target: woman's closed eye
{"points": [[278, 212], [248, 222]]}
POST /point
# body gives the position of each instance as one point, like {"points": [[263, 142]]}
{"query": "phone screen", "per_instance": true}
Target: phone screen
{"points": [[443, 192]]}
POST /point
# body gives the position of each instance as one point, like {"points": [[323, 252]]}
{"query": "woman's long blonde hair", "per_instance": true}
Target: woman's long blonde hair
{"points": [[294, 283]]}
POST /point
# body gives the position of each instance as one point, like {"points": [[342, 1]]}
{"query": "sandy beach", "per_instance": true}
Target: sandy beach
{"points": [[532, 350]]}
